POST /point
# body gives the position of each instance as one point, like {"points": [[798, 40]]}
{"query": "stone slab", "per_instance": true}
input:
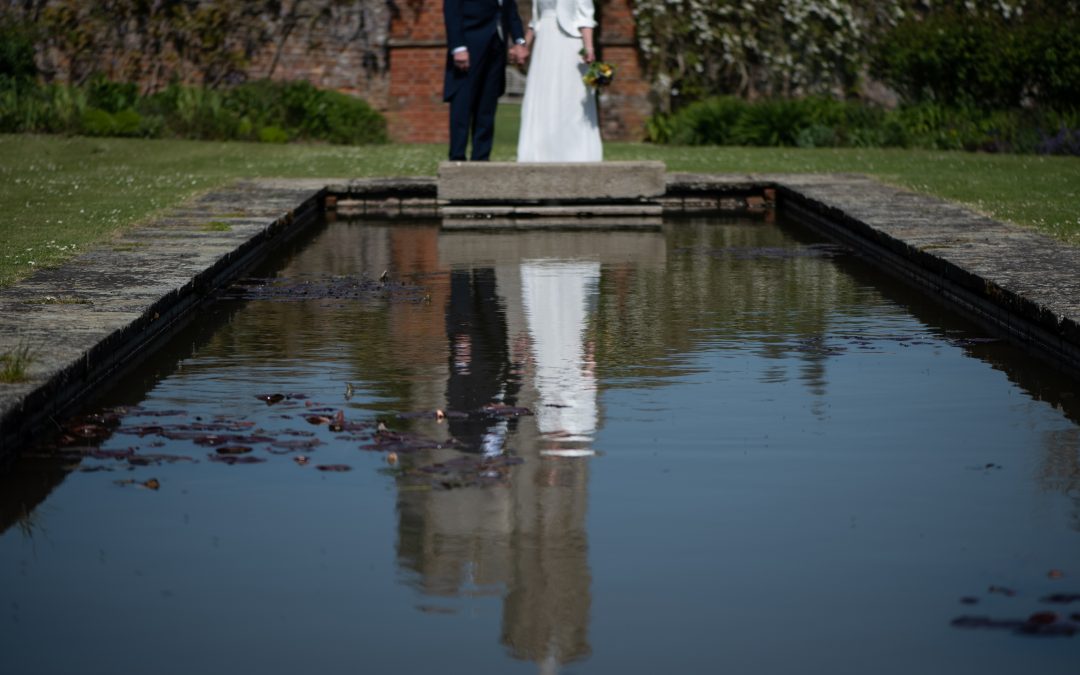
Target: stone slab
{"points": [[545, 211], [100, 313], [508, 222], [501, 182]]}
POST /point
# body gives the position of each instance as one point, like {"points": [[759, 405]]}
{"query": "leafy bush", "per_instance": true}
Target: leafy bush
{"points": [[17, 66], [824, 122], [307, 112], [771, 123], [810, 122], [112, 97], [261, 111], [958, 60], [97, 122], [709, 122], [273, 135]]}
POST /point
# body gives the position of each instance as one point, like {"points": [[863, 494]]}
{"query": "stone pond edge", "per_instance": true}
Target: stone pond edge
{"points": [[951, 252]]}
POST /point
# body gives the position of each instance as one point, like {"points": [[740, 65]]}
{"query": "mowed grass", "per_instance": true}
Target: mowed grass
{"points": [[59, 196]]}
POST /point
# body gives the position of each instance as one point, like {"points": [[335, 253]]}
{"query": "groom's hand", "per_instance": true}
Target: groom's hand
{"points": [[519, 54], [461, 60]]}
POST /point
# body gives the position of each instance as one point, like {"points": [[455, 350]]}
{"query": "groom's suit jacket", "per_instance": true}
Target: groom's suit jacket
{"points": [[474, 24]]}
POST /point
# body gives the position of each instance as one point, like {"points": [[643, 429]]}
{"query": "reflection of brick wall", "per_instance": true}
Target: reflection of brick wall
{"points": [[417, 53]]}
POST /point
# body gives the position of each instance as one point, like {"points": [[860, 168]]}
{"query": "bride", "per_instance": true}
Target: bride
{"points": [[559, 121]]}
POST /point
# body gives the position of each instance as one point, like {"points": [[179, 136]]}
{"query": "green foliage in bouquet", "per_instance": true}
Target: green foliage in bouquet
{"points": [[599, 74]]}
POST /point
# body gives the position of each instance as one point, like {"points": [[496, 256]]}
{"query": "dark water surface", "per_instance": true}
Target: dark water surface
{"points": [[748, 453]]}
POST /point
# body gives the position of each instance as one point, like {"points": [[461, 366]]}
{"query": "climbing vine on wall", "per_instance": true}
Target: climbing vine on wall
{"points": [[768, 48]]}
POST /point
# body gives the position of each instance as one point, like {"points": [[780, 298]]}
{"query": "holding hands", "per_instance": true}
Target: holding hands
{"points": [[519, 54]]}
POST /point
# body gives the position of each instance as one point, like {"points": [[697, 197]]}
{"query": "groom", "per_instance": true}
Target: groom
{"points": [[476, 68]]}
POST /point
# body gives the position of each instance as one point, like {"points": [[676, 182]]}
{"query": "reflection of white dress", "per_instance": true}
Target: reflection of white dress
{"points": [[556, 298], [559, 121]]}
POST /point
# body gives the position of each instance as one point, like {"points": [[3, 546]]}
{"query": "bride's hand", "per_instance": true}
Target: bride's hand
{"points": [[589, 55]]}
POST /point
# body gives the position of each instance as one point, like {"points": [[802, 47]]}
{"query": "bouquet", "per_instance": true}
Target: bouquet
{"points": [[599, 74]]}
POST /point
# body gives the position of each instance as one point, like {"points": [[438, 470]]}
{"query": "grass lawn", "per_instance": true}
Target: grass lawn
{"points": [[61, 195]]}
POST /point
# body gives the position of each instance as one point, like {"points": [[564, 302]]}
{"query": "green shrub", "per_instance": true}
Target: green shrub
{"points": [[658, 128], [307, 112], [17, 66], [960, 60], [348, 120], [1053, 61], [816, 136], [273, 134], [823, 122], [112, 97], [708, 122], [98, 122], [266, 111], [128, 122], [776, 122]]}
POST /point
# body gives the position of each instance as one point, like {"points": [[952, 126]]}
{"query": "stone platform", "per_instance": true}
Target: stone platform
{"points": [[512, 195]]}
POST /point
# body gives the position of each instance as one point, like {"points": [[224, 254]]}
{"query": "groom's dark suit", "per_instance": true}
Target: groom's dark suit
{"points": [[473, 93]]}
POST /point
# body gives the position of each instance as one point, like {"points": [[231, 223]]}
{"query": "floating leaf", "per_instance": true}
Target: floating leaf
{"points": [[333, 467], [226, 439], [1043, 617], [91, 431], [1001, 590], [298, 444], [158, 458], [152, 430], [339, 421], [1045, 624], [236, 459], [233, 450], [1061, 598], [98, 453], [149, 484], [155, 413]]}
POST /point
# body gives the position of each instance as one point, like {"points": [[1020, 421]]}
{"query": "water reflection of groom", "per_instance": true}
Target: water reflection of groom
{"points": [[479, 358]]}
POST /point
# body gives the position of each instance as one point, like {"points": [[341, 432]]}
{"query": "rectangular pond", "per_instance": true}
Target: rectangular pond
{"points": [[720, 446]]}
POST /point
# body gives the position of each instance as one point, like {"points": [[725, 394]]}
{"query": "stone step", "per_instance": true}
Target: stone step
{"points": [[571, 182]]}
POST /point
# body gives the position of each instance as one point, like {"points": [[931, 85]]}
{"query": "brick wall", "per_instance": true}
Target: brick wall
{"points": [[393, 56], [417, 53], [624, 105], [344, 50]]}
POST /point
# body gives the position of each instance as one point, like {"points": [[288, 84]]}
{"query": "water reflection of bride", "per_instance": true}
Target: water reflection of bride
{"points": [[529, 537], [557, 296]]}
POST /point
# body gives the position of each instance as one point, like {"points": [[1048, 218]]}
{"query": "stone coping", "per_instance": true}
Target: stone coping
{"points": [[567, 182], [98, 314]]}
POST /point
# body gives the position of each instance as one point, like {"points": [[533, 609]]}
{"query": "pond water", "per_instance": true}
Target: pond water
{"points": [[720, 446]]}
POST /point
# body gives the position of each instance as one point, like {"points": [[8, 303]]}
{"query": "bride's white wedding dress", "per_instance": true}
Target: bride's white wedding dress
{"points": [[559, 121]]}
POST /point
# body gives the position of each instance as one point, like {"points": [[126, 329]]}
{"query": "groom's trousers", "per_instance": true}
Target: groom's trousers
{"points": [[472, 106]]}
